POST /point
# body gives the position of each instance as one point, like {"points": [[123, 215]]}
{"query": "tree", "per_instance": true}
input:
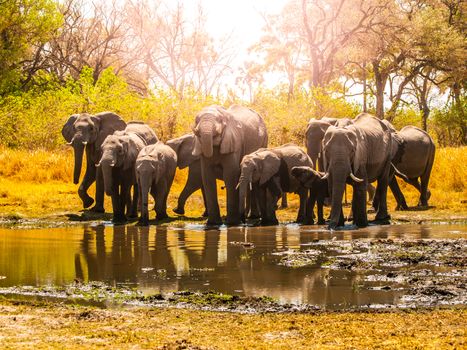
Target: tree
{"points": [[24, 25]]}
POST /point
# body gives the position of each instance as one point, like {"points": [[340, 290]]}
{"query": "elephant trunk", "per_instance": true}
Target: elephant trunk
{"points": [[107, 169], [206, 139], [144, 182], [338, 177], [79, 151]]}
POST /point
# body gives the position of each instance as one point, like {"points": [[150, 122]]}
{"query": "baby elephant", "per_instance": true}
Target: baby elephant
{"points": [[318, 184], [155, 171]]}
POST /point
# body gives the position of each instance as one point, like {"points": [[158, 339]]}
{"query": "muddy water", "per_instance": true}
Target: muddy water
{"points": [[292, 264]]}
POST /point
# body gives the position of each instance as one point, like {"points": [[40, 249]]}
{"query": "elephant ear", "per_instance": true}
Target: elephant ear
{"points": [[197, 151], [231, 140], [269, 166], [132, 145], [184, 147], [106, 123], [358, 141], [68, 130]]}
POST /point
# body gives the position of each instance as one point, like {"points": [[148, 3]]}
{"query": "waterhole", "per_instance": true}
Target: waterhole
{"points": [[380, 266]]}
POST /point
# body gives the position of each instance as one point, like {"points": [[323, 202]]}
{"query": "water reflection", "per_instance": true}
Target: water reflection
{"points": [[162, 259]]}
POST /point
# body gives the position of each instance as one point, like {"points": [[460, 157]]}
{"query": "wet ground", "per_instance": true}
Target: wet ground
{"points": [[284, 267]]}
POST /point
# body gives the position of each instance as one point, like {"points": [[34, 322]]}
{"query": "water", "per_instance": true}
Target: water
{"points": [[247, 261]]}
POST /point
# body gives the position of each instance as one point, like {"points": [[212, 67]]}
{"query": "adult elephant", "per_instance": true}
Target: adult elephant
{"points": [[271, 169], [87, 132], [414, 154], [119, 153], [359, 153], [223, 137], [314, 135]]}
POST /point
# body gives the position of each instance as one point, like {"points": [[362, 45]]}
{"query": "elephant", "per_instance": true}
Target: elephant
{"points": [[119, 153], [314, 134], [155, 170], [413, 157], [318, 185], [270, 169], [184, 146], [358, 153], [222, 138], [87, 132]]}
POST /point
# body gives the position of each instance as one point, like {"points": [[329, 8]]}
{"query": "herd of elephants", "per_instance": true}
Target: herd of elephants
{"points": [[231, 145]]}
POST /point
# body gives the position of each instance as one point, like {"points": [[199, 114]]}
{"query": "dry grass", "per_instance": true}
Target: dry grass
{"points": [[39, 183], [76, 327]]}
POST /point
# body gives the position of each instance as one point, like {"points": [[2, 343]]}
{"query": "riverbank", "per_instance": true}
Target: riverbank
{"points": [[44, 325]]}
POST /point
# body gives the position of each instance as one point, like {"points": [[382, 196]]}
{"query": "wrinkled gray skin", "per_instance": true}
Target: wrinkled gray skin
{"points": [[184, 146], [155, 171], [223, 137], [119, 153], [359, 153], [319, 190], [413, 157], [87, 132], [266, 168]]}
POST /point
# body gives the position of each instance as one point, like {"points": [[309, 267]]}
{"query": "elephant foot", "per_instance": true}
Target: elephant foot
{"points": [[97, 209], [162, 216], [401, 207], [309, 222], [143, 222], [380, 222], [205, 214], [321, 222], [179, 211], [214, 222], [119, 219], [132, 216], [87, 201], [233, 222], [269, 222]]}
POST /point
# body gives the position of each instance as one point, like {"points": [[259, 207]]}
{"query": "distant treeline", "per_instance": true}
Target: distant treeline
{"points": [[148, 60]]}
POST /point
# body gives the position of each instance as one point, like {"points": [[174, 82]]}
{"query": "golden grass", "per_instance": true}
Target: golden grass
{"points": [[39, 183], [76, 327]]}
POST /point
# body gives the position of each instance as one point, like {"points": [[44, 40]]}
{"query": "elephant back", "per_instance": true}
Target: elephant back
{"points": [[143, 130], [255, 134]]}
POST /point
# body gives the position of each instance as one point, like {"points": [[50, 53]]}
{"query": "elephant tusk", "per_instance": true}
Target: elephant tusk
{"points": [[85, 143], [69, 143], [97, 165], [237, 187], [251, 186], [326, 175], [356, 179], [112, 164]]}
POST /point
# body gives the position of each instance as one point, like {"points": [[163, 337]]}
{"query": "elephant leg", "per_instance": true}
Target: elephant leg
{"points": [[310, 206], [193, 183], [268, 213], [231, 181], [382, 215], [99, 206], [320, 205], [118, 203], [359, 204], [210, 188], [424, 192], [161, 199], [133, 208], [301, 215], [284, 203], [398, 195], [88, 179], [252, 198]]}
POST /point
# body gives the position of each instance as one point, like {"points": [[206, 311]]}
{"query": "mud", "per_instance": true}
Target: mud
{"points": [[244, 269]]}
